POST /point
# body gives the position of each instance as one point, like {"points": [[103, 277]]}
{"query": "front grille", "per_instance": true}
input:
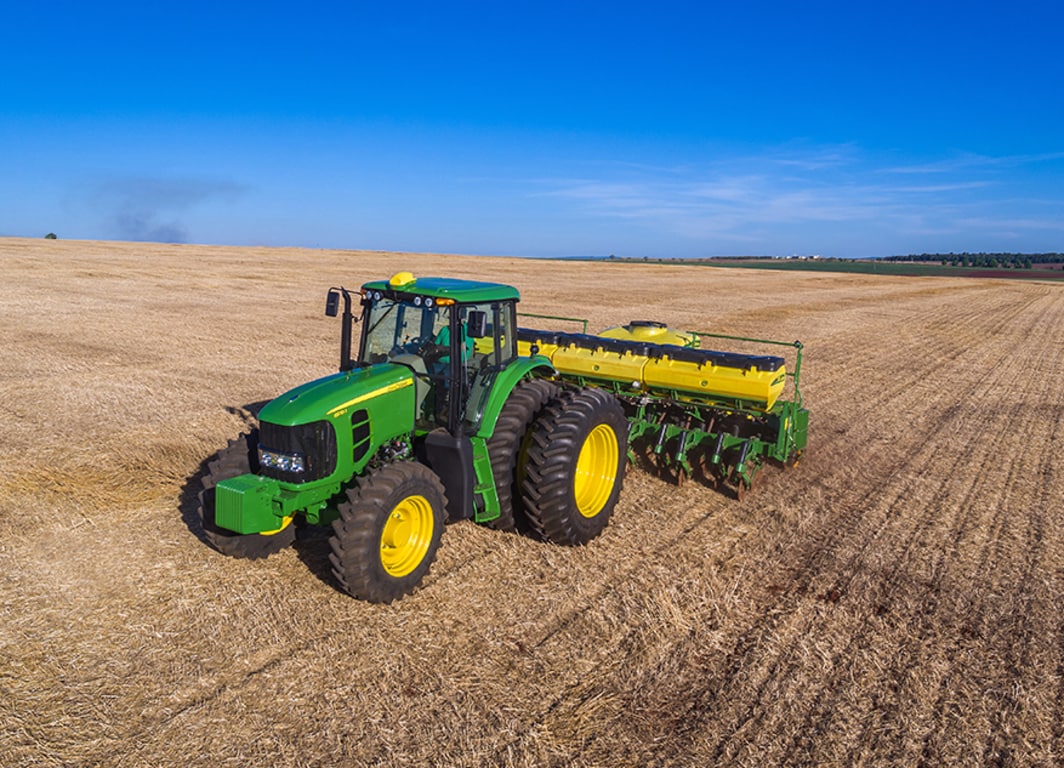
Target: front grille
{"points": [[316, 441]]}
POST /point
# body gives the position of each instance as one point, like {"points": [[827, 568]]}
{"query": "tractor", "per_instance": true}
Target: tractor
{"points": [[451, 412]]}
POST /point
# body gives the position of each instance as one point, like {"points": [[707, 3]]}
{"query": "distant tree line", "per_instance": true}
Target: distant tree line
{"points": [[985, 260]]}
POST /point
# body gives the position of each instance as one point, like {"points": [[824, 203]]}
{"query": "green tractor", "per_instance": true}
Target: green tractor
{"points": [[438, 419], [452, 412]]}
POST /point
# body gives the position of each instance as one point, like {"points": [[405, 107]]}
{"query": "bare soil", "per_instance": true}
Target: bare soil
{"points": [[896, 599]]}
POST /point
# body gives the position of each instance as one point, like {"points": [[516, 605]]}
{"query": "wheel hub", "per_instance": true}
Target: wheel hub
{"points": [[596, 470], [406, 536]]}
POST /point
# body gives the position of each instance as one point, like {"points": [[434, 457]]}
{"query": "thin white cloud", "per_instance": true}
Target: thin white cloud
{"points": [[931, 189], [968, 162], [781, 193]]}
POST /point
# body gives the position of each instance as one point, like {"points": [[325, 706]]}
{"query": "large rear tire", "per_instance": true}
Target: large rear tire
{"points": [[388, 532], [525, 403], [575, 465], [240, 457]]}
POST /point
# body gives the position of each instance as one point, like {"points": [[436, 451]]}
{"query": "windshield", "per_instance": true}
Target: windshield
{"points": [[396, 328]]}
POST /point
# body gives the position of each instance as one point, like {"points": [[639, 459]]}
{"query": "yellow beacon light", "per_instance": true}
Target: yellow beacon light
{"points": [[400, 279]]}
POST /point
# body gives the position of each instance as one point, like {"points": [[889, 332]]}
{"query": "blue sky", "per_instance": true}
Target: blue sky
{"points": [[655, 129]]}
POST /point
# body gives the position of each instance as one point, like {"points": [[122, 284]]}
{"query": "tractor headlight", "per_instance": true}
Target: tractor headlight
{"points": [[298, 453], [285, 462]]}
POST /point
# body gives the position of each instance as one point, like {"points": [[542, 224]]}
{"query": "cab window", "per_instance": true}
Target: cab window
{"points": [[492, 346]]}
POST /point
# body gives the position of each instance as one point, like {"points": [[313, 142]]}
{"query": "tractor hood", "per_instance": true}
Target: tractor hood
{"points": [[332, 398]]}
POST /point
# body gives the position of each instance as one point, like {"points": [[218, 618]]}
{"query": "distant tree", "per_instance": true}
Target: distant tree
{"points": [[51, 236], [983, 260]]}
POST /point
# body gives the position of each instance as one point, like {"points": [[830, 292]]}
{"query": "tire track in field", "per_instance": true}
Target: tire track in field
{"points": [[821, 710], [593, 603], [1051, 477], [986, 385], [772, 613], [977, 625], [810, 568], [883, 592], [573, 692], [574, 613], [565, 704], [918, 362], [746, 645], [983, 487], [800, 585], [1040, 543], [1018, 632], [929, 332], [965, 523]]}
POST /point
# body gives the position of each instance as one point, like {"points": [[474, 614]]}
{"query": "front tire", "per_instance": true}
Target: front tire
{"points": [[388, 532], [240, 457], [575, 466]]}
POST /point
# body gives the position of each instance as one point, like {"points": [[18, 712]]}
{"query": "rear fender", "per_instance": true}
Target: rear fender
{"points": [[522, 368]]}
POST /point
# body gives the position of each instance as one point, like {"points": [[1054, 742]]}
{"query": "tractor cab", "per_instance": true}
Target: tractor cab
{"points": [[455, 336]]}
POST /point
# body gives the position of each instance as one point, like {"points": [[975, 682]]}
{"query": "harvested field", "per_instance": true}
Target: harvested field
{"points": [[896, 599]]}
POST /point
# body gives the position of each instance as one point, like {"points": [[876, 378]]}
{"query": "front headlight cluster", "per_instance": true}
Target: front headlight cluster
{"points": [[285, 462], [298, 453]]}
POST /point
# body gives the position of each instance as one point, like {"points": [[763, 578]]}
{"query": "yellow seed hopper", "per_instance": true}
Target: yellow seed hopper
{"points": [[648, 357]]}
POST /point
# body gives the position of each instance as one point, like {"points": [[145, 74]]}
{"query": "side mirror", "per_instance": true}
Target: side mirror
{"points": [[332, 303], [477, 324]]}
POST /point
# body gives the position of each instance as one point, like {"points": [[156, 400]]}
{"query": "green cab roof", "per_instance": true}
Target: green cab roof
{"points": [[462, 291]]}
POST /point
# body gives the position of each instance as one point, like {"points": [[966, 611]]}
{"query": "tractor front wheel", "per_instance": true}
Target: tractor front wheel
{"points": [[575, 465], [240, 457], [388, 532]]}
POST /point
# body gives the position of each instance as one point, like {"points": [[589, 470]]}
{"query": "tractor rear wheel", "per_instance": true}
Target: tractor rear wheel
{"points": [[239, 458], [575, 465], [388, 532], [505, 447]]}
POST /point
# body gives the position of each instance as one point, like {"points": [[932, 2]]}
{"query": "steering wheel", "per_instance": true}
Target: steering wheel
{"points": [[430, 351]]}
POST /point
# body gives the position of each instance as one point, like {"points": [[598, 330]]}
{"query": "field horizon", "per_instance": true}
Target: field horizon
{"points": [[895, 599]]}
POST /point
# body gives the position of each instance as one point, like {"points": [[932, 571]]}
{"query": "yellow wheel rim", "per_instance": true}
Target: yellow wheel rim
{"points": [[596, 471], [406, 536]]}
